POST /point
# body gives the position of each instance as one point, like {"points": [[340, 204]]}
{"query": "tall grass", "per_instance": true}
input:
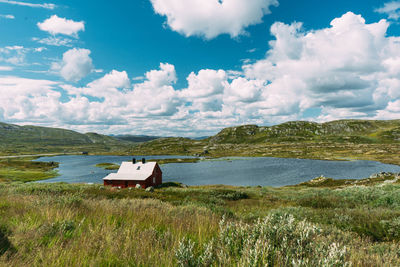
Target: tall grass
{"points": [[91, 225]]}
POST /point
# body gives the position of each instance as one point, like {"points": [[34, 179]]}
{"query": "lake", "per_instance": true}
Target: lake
{"points": [[233, 171]]}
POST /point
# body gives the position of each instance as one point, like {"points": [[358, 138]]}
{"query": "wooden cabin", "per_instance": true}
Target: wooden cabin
{"points": [[132, 173]]}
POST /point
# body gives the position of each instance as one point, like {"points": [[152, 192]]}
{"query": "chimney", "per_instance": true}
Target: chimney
{"points": [[133, 161], [143, 160]]}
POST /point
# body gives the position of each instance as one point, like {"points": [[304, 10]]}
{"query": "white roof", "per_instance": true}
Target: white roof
{"points": [[130, 171]]}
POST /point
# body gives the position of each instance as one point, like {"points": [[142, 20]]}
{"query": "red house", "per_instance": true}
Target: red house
{"points": [[132, 173]]}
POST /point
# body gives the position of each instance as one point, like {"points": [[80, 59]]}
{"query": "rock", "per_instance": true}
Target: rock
{"points": [[138, 186], [150, 189]]}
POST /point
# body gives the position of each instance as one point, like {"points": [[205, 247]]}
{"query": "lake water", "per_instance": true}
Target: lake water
{"points": [[233, 171]]}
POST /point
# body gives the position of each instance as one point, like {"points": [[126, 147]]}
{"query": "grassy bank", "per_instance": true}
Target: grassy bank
{"points": [[26, 170], [108, 166], [312, 224]]}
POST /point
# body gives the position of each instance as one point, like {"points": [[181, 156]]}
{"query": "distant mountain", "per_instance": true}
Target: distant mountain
{"points": [[18, 139], [200, 138], [135, 138]]}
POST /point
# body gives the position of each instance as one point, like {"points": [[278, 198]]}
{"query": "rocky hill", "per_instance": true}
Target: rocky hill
{"points": [[357, 131]]}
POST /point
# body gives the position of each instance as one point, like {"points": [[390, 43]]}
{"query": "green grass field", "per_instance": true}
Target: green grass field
{"points": [[313, 224]]}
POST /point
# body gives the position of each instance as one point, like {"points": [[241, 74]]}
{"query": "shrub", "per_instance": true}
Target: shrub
{"points": [[62, 229], [276, 240], [5, 243], [185, 255], [392, 228]]}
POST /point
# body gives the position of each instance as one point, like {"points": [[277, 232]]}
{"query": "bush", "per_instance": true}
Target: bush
{"points": [[229, 194], [276, 240], [5, 244]]}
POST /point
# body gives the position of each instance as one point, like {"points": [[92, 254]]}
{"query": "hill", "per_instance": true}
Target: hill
{"points": [[356, 131], [335, 140], [36, 139], [136, 138]]}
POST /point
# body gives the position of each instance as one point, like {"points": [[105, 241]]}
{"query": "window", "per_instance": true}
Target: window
{"points": [[154, 180]]}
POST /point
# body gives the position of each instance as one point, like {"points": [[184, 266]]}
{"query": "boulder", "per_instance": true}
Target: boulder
{"points": [[150, 189]]}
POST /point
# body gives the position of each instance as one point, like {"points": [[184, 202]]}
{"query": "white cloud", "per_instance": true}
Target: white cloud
{"points": [[76, 64], [56, 25], [54, 41], [7, 16], [337, 67], [205, 90], [6, 68], [15, 55], [121, 101], [20, 3], [347, 70], [210, 18], [391, 9], [28, 99]]}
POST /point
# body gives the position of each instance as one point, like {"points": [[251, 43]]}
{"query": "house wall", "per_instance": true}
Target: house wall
{"points": [[157, 173]]}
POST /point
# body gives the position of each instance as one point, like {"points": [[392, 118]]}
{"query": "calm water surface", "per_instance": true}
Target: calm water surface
{"points": [[233, 171]]}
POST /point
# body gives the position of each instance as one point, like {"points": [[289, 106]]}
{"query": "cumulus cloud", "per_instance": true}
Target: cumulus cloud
{"points": [[56, 25], [205, 89], [337, 67], [391, 9], [120, 100], [76, 64], [347, 70], [22, 99], [15, 55], [210, 18]]}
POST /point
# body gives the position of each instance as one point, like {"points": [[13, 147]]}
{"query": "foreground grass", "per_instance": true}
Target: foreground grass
{"points": [[307, 225]]}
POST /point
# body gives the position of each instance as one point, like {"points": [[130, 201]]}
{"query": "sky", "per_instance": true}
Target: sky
{"points": [[192, 67]]}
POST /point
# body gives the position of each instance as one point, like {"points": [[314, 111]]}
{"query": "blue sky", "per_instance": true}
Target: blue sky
{"points": [[190, 68]]}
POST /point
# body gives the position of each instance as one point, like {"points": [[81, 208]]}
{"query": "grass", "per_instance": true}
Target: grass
{"points": [[200, 225], [26, 170], [108, 166], [167, 161]]}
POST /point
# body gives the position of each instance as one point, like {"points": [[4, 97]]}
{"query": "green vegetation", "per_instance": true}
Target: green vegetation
{"points": [[167, 161], [108, 166], [311, 224], [322, 222], [16, 140], [337, 140], [26, 170]]}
